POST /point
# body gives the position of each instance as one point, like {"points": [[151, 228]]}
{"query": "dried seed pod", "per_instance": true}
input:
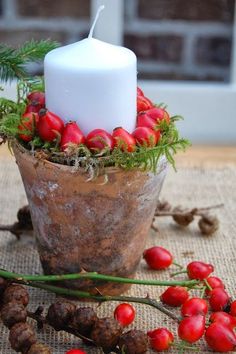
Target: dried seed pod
{"points": [[182, 217], [3, 285], [133, 342], [21, 337], [60, 314], [13, 312], [106, 333], [24, 217], [39, 348], [16, 293], [208, 224], [163, 206], [84, 318]]}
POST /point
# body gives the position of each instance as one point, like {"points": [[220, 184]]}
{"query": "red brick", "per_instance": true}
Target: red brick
{"points": [[197, 10], [17, 38], [167, 48], [54, 8], [213, 51]]}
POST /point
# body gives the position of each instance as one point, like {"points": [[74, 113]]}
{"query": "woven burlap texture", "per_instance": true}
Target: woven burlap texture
{"points": [[190, 187]]}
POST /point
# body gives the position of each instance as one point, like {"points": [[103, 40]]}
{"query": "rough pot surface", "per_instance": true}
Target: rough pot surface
{"points": [[89, 225]]}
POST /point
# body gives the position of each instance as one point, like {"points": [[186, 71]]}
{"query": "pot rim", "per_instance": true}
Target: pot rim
{"points": [[162, 162]]}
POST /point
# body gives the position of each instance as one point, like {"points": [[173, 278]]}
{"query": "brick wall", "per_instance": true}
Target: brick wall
{"points": [[181, 39], [173, 39]]}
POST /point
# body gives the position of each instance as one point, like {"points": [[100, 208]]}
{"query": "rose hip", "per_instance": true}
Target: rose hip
{"points": [[160, 339], [124, 140], [214, 282], [143, 104], [158, 114], [191, 329], [219, 299], [98, 140], [124, 314], [233, 308], [139, 92], [220, 338], [223, 318], [199, 270], [158, 258], [71, 135], [146, 136], [49, 126], [27, 126], [194, 306], [174, 296], [75, 351]]}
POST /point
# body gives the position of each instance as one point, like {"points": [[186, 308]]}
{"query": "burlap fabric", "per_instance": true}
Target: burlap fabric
{"points": [[191, 187]]}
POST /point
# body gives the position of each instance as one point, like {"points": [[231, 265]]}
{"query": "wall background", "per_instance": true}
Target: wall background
{"points": [[173, 39]]}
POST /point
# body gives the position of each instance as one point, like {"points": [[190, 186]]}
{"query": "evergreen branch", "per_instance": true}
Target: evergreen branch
{"points": [[13, 61]]}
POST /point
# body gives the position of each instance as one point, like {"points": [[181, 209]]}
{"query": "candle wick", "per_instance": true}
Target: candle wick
{"points": [[95, 20]]}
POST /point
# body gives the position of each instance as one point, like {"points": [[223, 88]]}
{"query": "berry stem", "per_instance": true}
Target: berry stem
{"points": [[102, 298], [95, 276], [180, 272], [178, 265], [194, 211], [207, 284]]}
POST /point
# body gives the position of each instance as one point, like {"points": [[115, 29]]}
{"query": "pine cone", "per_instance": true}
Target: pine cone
{"points": [[60, 314], [16, 293], [13, 312], [24, 217], [182, 217], [21, 337], [84, 319], [134, 342], [106, 333], [208, 224], [39, 348]]}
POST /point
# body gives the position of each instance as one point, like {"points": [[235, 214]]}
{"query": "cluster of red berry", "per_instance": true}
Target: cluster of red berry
{"points": [[37, 121], [219, 334]]}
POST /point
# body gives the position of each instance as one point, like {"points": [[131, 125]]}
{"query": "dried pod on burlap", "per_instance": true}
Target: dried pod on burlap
{"points": [[39, 348], [133, 342], [3, 285], [182, 217], [208, 224], [13, 312], [24, 218], [22, 337], [163, 206], [84, 319], [16, 293], [106, 333], [60, 314]]}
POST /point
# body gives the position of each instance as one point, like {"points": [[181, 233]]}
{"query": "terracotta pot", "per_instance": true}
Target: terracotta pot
{"points": [[89, 225]]}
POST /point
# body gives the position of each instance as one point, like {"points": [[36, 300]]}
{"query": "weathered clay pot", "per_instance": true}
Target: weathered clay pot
{"points": [[89, 225]]}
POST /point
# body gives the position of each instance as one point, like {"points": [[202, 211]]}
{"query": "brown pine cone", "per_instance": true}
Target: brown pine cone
{"points": [[16, 293], [13, 312], [208, 224], [182, 217], [21, 337], [39, 348], [24, 218], [133, 342], [106, 333], [3, 285], [84, 318], [60, 314]]}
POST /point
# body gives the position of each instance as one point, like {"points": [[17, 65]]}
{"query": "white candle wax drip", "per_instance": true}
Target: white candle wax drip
{"points": [[93, 83]]}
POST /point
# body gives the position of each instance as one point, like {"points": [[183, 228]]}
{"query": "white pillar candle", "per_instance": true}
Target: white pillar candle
{"points": [[93, 83]]}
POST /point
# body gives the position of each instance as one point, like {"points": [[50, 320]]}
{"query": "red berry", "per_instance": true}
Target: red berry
{"points": [[194, 306], [143, 104], [219, 299], [160, 339], [143, 120], [158, 258], [145, 136], [191, 329], [223, 318], [71, 134], [49, 126], [27, 125], [174, 296], [220, 338], [124, 140], [158, 114], [199, 270], [98, 140], [214, 282], [31, 108], [36, 98], [233, 308], [139, 92], [124, 314], [75, 351]]}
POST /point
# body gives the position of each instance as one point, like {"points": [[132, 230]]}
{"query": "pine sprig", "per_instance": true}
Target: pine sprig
{"points": [[13, 61]]}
